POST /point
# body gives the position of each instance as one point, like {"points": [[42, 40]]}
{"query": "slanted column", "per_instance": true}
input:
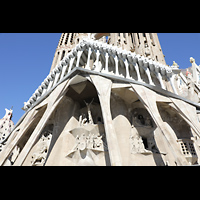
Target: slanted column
{"points": [[88, 59], [50, 77], [145, 64], [116, 66], [127, 69], [54, 101], [97, 61], [149, 99], [71, 63], [106, 67], [138, 72], [103, 87], [56, 77], [171, 80], [78, 57], [63, 71], [159, 77], [149, 76]]}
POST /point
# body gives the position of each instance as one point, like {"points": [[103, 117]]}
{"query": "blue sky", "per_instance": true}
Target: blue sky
{"points": [[26, 58]]}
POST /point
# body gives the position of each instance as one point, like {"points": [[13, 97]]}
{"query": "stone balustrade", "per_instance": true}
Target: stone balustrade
{"points": [[106, 59]]}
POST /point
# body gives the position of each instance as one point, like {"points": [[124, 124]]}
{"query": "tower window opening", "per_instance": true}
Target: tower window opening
{"points": [[67, 38], [156, 58], [132, 39], [138, 37], [63, 53], [152, 40], [72, 38], [62, 39]]}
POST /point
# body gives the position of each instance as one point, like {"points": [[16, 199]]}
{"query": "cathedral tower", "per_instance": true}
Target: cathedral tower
{"points": [[66, 43], [145, 44]]}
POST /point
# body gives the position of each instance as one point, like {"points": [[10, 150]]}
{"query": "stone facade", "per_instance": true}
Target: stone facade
{"points": [[104, 104], [144, 44]]}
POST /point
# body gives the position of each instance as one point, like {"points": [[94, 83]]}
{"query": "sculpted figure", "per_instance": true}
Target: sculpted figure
{"points": [[39, 157], [89, 111], [137, 145]]}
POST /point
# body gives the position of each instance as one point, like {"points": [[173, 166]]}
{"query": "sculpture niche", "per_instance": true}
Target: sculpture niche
{"points": [[89, 137], [142, 133]]}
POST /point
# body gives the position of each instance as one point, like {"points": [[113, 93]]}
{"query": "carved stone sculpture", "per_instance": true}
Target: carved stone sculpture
{"points": [[39, 157], [136, 143], [85, 139]]}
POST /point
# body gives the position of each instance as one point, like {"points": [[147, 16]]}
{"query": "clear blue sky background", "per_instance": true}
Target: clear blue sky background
{"points": [[25, 61]]}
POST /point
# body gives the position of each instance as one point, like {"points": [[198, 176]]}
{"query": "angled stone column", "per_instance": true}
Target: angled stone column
{"points": [[103, 87], [106, 67], [88, 59], [127, 68], [138, 72], [12, 141], [148, 98], [55, 97]]}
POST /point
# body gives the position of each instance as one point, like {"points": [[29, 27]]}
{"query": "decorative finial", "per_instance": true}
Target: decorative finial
{"points": [[192, 60], [175, 64]]}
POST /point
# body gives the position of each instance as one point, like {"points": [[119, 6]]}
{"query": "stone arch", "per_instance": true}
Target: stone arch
{"points": [[180, 130], [134, 125], [38, 154], [172, 117]]}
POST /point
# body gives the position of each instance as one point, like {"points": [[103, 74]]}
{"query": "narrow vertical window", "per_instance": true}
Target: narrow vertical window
{"points": [[63, 53], [138, 37]]}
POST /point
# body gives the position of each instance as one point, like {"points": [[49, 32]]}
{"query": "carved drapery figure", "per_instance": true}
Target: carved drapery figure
{"points": [[39, 157]]}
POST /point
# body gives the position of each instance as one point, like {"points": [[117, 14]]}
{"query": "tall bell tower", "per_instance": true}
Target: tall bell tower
{"points": [[66, 43], [145, 44]]}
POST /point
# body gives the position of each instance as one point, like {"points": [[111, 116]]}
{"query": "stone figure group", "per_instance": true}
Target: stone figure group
{"points": [[91, 141]]}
